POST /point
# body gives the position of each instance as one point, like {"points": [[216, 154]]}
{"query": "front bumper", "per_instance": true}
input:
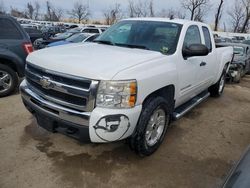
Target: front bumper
{"points": [[56, 118], [101, 125]]}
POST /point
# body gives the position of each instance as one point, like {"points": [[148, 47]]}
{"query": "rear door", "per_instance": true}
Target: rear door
{"points": [[205, 72]]}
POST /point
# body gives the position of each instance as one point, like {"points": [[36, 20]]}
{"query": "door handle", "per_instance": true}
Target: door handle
{"points": [[203, 64]]}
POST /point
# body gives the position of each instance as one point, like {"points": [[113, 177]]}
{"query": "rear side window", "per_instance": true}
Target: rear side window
{"points": [[8, 30], [192, 36], [207, 37]]}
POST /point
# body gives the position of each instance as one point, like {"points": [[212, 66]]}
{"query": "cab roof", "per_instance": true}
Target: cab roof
{"points": [[158, 19]]}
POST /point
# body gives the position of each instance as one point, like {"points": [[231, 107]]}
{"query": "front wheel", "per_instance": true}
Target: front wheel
{"points": [[217, 89], [151, 127]]}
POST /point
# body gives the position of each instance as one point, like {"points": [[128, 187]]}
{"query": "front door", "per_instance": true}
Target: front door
{"points": [[190, 67]]}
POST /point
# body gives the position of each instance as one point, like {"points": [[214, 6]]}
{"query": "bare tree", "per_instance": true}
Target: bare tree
{"points": [[48, 15], [199, 15], [29, 12], [236, 15], [113, 14], [17, 13], [151, 8], [141, 8], [52, 13], [2, 8], [246, 5], [36, 10], [59, 13], [218, 15], [80, 12], [195, 7]]}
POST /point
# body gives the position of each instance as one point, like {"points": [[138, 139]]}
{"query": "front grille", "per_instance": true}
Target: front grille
{"points": [[66, 90], [78, 82]]}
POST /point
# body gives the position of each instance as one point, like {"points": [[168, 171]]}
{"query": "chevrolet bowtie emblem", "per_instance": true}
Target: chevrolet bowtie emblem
{"points": [[46, 83]]}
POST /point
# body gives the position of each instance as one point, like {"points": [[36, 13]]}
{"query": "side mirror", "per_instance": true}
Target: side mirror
{"points": [[195, 50]]}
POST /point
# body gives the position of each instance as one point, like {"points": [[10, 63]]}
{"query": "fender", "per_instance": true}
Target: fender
{"points": [[13, 61], [225, 59]]}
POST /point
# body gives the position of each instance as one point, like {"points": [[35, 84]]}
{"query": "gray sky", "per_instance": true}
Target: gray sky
{"points": [[98, 6]]}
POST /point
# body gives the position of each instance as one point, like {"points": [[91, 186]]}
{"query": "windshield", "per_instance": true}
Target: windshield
{"points": [[150, 35], [239, 50], [78, 37], [63, 35]]}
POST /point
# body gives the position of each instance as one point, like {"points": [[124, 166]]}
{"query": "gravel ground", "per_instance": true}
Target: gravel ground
{"points": [[198, 151]]}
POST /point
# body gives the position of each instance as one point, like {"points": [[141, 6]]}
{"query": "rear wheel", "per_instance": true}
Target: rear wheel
{"points": [[8, 80], [217, 89], [151, 127]]}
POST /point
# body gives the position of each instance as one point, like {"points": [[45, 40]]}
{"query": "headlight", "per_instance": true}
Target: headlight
{"points": [[117, 94]]}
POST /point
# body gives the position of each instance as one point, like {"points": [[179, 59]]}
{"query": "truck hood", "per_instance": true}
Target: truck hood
{"points": [[92, 60]]}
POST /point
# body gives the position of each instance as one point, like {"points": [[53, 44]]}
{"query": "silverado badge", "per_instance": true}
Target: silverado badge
{"points": [[45, 83]]}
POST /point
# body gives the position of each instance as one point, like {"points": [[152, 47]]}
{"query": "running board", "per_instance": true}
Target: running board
{"points": [[186, 107]]}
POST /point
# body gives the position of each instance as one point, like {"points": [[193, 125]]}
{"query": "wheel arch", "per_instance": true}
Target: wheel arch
{"points": [[167, 92], [13, 64], [8, 63]]}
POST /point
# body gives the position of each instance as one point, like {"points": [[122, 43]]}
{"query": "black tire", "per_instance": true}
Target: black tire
{"points": [[138, 141], [13, 80], [242, 71], [217, 89]]}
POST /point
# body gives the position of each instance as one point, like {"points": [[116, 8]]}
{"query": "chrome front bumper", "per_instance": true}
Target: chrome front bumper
{"points": [[34, 102]]}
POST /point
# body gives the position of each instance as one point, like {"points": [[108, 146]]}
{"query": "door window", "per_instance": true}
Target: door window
{"points": [[192, 36]]}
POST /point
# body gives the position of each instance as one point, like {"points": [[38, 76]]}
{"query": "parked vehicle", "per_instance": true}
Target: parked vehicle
{"points": [[76, 38], [92, 30], [241, 62], [42, 43], [51, 31], [35, 26], [239, 177], [15, 45], [246, 42], [67, 26], [33, 33], [140, 74], [88, 30], [238, 39], [223, 40]]}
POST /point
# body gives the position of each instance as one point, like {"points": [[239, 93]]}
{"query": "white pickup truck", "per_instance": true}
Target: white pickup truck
{"points": [[137, 77]]}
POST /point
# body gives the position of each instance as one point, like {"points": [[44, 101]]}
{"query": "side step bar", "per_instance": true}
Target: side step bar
{"points": [[186, 107]]}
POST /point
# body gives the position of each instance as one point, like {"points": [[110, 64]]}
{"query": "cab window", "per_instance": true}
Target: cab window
{"points": [[207, 37]]}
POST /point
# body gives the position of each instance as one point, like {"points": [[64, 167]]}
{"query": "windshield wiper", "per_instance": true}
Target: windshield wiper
{"points": [[104, 42], [134, 46]]}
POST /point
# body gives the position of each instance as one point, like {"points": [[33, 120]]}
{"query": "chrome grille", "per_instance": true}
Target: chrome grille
{"points": [[66, 90]]}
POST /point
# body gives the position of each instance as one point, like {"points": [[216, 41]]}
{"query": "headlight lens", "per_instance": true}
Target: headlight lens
{"points": [[117, 94]]}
